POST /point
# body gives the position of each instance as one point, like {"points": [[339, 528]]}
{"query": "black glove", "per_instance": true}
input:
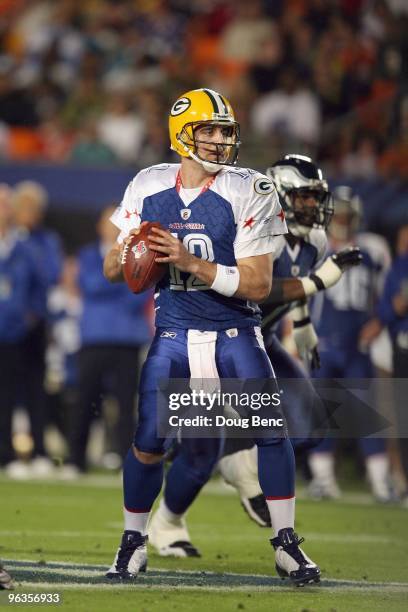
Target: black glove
{"points": [[351, 256]]}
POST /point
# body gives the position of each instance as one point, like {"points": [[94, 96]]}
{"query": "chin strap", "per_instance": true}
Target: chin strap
{"points": [[208, 166]]}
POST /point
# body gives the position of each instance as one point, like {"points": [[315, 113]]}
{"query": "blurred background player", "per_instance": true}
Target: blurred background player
{"points": [[114, 327], [30, 200], [19, 278], [299, 271], [61, 381], [393, 313], [343, 314]]}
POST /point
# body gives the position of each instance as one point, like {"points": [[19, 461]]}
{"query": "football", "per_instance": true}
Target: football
{"points": [[140, 269]]}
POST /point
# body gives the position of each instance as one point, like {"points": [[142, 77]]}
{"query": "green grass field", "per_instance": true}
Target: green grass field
{"points": [[61, 536]]}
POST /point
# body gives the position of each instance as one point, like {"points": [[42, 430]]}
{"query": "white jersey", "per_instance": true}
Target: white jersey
{"points": [[235, 215]]}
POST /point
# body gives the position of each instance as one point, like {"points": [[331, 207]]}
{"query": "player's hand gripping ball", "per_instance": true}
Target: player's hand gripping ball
{"points": [[140, 269]]}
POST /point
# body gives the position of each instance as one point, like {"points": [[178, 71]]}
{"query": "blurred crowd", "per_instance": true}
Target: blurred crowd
{"points": [[91, 82]]}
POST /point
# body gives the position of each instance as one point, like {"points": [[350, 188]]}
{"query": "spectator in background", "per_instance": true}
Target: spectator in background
{"points": [[121, 129], [83, 101], [246, 32], [394, 161], [264, 71], [30, 201], [114, 327], [88, 149], [292, 110], [362, 161], [18, 276], [17, 107]]}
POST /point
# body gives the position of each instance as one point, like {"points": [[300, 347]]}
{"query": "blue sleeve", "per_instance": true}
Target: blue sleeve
{"points": [[38, 271], [91, 279], [54, 258]]}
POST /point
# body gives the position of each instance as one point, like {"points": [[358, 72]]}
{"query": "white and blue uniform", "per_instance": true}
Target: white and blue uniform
{"points": [[306, 255], [340, 312], [236, 215], [339, 315]]}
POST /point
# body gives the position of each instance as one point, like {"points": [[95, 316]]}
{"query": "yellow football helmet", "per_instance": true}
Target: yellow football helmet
{"points": [[198, 107]]}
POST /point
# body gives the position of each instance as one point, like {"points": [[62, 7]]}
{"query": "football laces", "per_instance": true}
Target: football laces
{"points": [[124, 253]]}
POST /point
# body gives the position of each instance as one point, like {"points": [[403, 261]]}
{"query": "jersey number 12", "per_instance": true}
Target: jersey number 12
{"points": [[199, 245]]}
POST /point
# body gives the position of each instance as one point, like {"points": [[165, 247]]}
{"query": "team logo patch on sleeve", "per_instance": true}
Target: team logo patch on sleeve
{"points": [[263, 186], [180, 106]]}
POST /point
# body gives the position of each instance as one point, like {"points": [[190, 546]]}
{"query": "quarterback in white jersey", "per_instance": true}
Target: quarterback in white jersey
{"points": [[220, 224], [235, 215]]}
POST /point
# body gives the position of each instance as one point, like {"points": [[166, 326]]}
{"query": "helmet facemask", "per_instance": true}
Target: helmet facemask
{"points": [[226, 152], [302, 217]]}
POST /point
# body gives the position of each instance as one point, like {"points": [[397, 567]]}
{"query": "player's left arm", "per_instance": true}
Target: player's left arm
{"points": [[286, 290]]}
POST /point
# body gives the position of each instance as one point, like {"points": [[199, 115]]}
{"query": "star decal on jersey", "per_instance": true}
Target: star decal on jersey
{"points": [[249, 222], [281, 215], [129, 213]]}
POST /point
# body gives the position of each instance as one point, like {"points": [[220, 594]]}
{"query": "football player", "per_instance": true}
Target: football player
{"points": [[299, 271], [344, 315], [221, 224]]}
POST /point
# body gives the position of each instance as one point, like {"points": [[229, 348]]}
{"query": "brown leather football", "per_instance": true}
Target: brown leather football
{"points": [[140, 269]]}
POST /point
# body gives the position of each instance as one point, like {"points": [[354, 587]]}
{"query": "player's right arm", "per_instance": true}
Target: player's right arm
{"points": [[112, 266], [127, 218]]}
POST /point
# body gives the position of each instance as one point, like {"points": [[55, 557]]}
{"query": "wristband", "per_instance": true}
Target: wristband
{"points": [[301, 322], [226, 280], [309, 285], [299, 314]]}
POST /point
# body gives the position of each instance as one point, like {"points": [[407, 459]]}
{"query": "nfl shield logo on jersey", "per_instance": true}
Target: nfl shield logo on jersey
{"points": [[185, 213], [295, 270], [139, 249]]}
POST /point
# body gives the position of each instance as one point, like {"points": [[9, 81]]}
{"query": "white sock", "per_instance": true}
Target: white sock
{"points": [[282, 513], [322, 467], [167, 514], [377, 467], [136, 521]]}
